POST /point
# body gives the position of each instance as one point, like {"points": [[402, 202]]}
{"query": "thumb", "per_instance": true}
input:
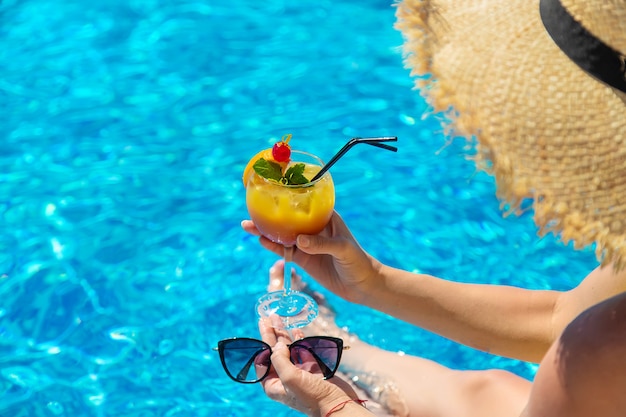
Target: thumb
{"points": [[309, 392], [307, 387], [286, 370], [316, 245]]}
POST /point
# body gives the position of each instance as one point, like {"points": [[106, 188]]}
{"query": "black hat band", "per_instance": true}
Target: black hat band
{"points": [[587, 51]]}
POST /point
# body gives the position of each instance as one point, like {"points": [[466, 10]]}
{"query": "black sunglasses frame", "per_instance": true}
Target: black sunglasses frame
{"points": [[326, 371]]}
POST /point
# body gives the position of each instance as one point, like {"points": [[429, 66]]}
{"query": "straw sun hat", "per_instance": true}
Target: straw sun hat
{"points": [[541, 86]]}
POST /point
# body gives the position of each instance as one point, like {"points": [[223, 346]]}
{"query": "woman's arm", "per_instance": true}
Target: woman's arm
{"points": [[503, 320]]}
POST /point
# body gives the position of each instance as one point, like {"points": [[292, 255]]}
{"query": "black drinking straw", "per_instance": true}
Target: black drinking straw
{"points": [[370, 141]]}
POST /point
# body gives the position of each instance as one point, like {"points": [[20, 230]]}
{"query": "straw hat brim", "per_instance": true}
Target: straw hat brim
{"points": [[546, 129]]}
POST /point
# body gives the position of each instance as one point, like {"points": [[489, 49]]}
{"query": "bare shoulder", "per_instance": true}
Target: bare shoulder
{"points": [[596, 336], [602, 283], [584, 372]]}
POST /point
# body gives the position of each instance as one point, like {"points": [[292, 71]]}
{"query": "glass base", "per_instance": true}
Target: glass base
{"points": [[295, 309]]}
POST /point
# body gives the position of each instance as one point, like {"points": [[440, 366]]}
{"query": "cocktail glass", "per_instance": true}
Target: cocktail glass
{"points": [[281, 212]]}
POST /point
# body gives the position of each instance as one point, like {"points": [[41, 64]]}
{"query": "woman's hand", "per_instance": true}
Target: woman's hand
{"points": [[294, 386], [304, 391], [333, 257]]}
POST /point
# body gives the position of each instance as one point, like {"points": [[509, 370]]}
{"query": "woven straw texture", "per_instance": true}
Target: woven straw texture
{"points": [[544, 128]]}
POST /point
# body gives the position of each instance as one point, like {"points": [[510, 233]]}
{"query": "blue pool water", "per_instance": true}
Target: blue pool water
{"points": [[125, 127]]}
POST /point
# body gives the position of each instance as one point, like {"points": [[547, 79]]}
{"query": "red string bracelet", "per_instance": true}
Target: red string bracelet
{"points": [[342, 404]]}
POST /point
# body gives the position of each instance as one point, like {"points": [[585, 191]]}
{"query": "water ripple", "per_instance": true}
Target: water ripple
{"points": [[126, 125]]}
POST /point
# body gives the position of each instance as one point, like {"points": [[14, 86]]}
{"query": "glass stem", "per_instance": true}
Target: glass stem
{"points": [[288, 255]]}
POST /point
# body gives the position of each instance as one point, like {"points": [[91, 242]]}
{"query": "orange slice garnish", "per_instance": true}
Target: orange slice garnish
{"points": [[265, 154], [282, 149]]}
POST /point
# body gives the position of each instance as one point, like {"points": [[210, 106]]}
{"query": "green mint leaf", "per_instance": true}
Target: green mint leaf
{"points": [[295, 175], [273, 171], [268, 169]]}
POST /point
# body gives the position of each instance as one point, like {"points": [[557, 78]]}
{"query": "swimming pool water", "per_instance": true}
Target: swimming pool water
{"points": [[126, 125]]}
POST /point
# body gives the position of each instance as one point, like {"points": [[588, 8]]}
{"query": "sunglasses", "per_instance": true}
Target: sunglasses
{"points": [[247, 360]]}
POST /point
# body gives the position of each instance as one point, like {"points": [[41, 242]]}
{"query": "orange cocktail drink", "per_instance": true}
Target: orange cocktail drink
{"points": [[284, 200], [289, 193], [282, 211]]}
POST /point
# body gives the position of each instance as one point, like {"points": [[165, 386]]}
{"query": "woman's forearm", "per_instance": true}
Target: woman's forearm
{"points": [[503, 320]]}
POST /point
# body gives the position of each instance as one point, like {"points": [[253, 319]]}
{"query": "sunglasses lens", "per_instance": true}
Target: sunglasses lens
{"points": [[245, 360], [317, 354]]}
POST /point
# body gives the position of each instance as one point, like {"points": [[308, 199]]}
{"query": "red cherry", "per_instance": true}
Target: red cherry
{"points": [[281, 152]]}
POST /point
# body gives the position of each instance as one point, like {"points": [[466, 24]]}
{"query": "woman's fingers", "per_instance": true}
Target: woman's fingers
{"points": [[282, 334], [268, 334], [282, 364], [276, 248], [297, 334], [332, 241], [248, 226], [319, 245]]}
